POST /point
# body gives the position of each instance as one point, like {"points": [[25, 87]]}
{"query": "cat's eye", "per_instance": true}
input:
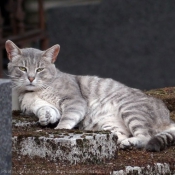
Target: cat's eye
{"points": [[39, 69], [23, 69]]}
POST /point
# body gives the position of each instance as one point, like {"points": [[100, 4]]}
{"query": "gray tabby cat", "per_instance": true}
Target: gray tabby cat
{"points": [[89, 102]]}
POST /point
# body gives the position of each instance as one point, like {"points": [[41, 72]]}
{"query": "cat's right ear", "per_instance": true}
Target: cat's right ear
{"points": [[12, 50], [52, 53]]}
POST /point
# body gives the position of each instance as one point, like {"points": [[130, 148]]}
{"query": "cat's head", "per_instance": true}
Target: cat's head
{"points": [[31, 69]]}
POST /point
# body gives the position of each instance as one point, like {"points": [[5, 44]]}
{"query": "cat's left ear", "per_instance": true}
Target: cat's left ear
{"points": [[52, 53], [12, 50]]}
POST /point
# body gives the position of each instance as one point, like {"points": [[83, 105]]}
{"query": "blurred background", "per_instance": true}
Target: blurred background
{"points": [[131, 41]]}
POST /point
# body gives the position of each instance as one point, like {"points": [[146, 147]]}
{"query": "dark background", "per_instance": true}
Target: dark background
{"points": [[131, 41]]}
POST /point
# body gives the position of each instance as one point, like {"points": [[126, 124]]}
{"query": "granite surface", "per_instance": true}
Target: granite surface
{"points": [[5, 129]]}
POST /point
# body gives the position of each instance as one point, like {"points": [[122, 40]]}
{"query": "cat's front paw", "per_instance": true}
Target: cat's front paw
{"points": [[48, 115]]}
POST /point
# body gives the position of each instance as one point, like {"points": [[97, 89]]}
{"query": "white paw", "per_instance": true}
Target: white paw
{"points": [[120, 136], [48, 115], [129, 143]]}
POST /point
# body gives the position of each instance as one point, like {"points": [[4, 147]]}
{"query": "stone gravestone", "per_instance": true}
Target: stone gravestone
{"points": [[5, 129], [129, 41]]}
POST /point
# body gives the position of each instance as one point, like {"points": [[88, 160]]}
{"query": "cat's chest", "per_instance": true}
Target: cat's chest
{"points": [[50, 97]]}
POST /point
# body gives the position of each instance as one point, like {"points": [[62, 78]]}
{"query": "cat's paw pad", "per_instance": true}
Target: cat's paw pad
{"points": [[48, 115], [45, 119]]}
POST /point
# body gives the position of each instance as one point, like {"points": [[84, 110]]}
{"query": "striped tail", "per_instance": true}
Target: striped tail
{"points": [[162, 140]]}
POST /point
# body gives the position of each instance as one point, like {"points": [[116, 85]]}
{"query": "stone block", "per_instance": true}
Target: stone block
{"points": [[5, 129], [64, 146]]}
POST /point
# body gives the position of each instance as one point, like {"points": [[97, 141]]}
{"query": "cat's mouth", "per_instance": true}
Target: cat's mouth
{"points": [[30, 85]]}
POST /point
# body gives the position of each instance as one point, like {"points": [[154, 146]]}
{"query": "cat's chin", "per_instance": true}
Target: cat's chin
{"points": [[30, 88]]}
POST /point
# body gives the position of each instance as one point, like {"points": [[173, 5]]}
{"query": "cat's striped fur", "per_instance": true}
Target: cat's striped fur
{"points": [[89, 102]]}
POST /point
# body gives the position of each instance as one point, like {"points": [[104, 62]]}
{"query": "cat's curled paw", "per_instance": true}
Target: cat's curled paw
{"points": [[129, 143], [48, 115], [126, 144]]}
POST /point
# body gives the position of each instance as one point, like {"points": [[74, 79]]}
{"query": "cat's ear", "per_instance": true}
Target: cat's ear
{"points": [[52, 53], [12, 50]]}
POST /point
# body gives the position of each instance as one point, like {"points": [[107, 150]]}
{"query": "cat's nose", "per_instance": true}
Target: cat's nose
{"points": [[31, 78]]}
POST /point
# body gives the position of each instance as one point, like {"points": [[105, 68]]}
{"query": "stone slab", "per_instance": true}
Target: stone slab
{"points": [[5, 129], [65, 146]]}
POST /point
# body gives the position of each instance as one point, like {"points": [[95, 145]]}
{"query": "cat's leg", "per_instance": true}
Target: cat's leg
{"points": [[46, 112], [118, 129], [73, 111], [110, 122], [140, 129]]}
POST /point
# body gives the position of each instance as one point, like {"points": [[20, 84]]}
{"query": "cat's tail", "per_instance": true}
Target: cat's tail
{"points": [[162, 140]]}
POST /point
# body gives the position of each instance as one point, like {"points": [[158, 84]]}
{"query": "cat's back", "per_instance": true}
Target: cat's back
{"points": [[105, 91], [95, 87]]}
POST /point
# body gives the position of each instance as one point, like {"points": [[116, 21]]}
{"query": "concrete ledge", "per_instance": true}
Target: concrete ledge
{"points": [[5, 129], [65, 146]]}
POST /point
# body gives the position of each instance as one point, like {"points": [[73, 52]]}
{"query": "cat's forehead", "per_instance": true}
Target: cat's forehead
{"points": [[31, 56], [31, 53]]}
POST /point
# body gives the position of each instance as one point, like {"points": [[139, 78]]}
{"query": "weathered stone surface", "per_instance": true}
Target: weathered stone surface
{"points": [[5, 129], [66, 146]]}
